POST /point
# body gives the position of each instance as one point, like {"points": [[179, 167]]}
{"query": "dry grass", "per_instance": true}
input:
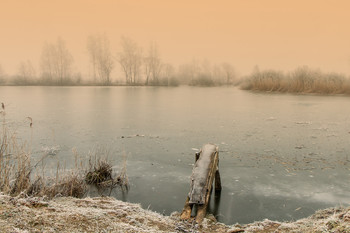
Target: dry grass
{"points": [[68, 185], [301, 80], [15, 168], [102, 175], [100, 171], [16, 172]]}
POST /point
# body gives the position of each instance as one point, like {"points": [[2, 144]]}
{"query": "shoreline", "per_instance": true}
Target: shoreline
{"points": [[106, 214]]}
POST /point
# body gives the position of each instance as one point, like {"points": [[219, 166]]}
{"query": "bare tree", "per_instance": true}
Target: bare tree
{"points": [[206, 68], [64, 61], [168, 73], [148, 72], [130, 59], [26, 72], [2, 74], [153, 64], [47, 62], [100, 57], [56, 62], [218, 73], [229, 72], [92, 48], [195, 70], [190, 72], [185, 73]]}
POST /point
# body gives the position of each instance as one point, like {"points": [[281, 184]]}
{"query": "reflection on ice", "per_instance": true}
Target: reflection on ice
{"points": [[302, 190]]}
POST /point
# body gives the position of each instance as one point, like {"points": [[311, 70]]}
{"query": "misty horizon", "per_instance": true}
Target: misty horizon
{"points": [[271, 35]]}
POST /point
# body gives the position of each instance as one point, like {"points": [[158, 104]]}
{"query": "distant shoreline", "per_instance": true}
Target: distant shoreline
{"points": [[242, 87]]}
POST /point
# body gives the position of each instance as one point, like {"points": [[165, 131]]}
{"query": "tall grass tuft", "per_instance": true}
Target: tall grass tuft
{"points": [[301, 80], [102, 175], [15, 161], [69, 185], [100, 171], [5, 161], [15, 166]]}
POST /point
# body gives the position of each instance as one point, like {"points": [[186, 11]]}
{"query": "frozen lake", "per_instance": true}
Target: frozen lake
{"points": [[281, 156]]}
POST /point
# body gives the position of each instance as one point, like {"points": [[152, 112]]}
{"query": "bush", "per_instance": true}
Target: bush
{"points": [[301, 80], [101, 174]]}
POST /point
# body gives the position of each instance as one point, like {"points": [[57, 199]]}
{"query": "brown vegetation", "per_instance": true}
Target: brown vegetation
{"points": [[17, 173], [15, 167], [101, 174], [301, 80]]}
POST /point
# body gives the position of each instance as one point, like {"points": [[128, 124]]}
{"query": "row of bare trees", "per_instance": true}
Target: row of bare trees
{"points": [[147, 68], [56, 62], [137, 67], [130, 58], [101, 58]]}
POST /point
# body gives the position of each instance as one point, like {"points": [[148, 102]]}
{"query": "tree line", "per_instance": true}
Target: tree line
{"points": [[138, 67]]}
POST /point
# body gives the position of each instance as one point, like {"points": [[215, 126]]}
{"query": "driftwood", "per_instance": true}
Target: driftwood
{"points": [[205, 170]]}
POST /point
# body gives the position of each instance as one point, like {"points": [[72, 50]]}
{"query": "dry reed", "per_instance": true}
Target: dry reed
{"points": [[15, 166], [102, 175], [16, 172], [301, 80]]}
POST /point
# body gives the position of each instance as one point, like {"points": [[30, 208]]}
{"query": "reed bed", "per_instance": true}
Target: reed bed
{"points": [[301, 80]]}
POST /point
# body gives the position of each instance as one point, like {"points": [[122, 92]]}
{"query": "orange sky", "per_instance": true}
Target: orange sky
{"points": [[276, 34]]}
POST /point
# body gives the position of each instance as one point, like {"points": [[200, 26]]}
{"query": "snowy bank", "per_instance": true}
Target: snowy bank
{"points": [[106, 214]]}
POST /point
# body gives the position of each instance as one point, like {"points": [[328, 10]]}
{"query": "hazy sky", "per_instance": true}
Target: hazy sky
{"points": [[278, 34]]}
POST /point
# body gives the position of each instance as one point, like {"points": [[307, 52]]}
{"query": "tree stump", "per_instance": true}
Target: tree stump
{"points": [[206, 168]]}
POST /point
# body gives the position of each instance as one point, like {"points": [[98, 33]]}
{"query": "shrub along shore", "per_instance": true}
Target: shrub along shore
{"points": [[301, 80]]}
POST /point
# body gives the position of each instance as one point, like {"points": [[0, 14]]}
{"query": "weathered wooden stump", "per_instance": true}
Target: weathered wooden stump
{"points": [[205, 170]]}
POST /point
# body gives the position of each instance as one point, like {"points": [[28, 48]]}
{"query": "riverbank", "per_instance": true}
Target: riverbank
{"points": [[106, 214]]}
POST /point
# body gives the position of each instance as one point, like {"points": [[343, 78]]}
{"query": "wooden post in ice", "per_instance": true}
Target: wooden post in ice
{"points": [[205, 170]]}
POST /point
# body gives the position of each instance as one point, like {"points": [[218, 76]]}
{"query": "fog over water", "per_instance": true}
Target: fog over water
{"points": [[272, 34], [282, 156]]}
